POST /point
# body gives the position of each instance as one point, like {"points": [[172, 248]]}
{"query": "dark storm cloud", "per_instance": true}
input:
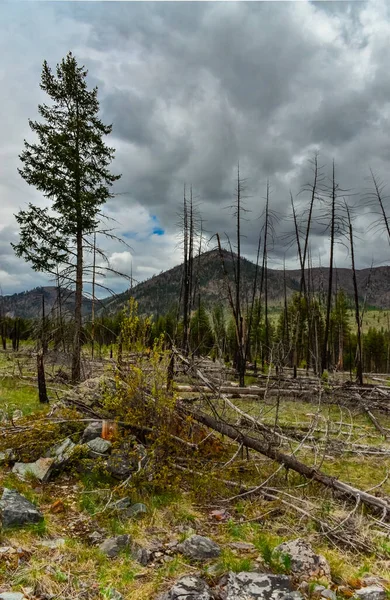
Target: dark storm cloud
{"points": [[194, 88]]}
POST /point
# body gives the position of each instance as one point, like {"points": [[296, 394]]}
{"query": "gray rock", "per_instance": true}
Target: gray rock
{"points": [[61, 453], [188, 588], [11, 596], [7, 456], [91, 393], [304, 561], [112, 546], [242, 546], [329, 594], [137, 510], [198, 547], [92, 431], [95, 537], [16, 510], [371, 592], [127, 459], [252, 586], [140, 554], [123, 461], [98, 447], [41, 469], [119, 505]]}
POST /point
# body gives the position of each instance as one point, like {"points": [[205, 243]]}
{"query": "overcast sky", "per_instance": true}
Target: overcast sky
{"points": [[193, 88]]}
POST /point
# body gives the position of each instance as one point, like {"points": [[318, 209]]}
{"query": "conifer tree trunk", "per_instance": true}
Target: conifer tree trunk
{"points": [[76, 356]]}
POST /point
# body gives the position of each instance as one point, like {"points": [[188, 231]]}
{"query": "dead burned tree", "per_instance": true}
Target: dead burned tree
{"points": [[241, 366], [93, 296], [264, 273], [42, 390], [377, 197], [359, 362], [298, 324], [188, 224], [315, 189], [234, 296], [186, 276], [333, 196], [267, 233]]}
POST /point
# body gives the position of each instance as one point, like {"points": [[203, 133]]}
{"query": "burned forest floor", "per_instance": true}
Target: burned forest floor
{"points": [[139, 495]]}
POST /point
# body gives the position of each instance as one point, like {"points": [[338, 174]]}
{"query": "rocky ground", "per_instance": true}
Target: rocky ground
{"points": [[81, 518], [51, 548]]}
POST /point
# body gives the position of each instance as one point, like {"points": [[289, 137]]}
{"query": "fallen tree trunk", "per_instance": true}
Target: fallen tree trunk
{"points": [[375, 422], [248, 391], [288, 460], [269, 449]]}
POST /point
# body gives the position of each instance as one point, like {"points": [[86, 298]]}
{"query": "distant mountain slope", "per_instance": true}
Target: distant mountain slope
{"points": [[29, 304], [161, 292]]}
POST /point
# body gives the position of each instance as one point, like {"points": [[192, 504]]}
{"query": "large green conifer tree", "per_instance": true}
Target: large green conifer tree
{"points": [[69, 164]]}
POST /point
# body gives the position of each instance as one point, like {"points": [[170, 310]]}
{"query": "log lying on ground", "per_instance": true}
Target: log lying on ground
{"points": [[375, 422], [289, 461], [247, 391], [336, 393], [270, 450]]}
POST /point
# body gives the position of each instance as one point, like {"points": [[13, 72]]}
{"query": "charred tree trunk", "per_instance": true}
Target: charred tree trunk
{"points": [[60, 323], [93, 296], [241, 366], [325, 349], [42, 390], [44, 340], [265, 262], [359, 362], [186, 279]]}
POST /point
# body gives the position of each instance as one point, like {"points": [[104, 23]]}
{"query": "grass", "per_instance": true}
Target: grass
{"points": [[231, 562], [175, 514], [376, 318], [18, 395]]}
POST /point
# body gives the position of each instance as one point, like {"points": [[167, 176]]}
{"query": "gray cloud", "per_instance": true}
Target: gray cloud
{"points": [[193, 88]]}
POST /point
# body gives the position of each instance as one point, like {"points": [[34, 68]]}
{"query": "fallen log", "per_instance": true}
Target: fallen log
{"points": [[289, 461], [375, 422], [247, 391], [269, 449]]}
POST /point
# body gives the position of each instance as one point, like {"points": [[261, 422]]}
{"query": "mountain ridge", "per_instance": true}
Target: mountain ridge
{"points": [[159, 293]]}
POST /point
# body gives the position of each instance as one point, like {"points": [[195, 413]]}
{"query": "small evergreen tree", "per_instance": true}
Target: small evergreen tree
{"points": [[69, 164]]}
